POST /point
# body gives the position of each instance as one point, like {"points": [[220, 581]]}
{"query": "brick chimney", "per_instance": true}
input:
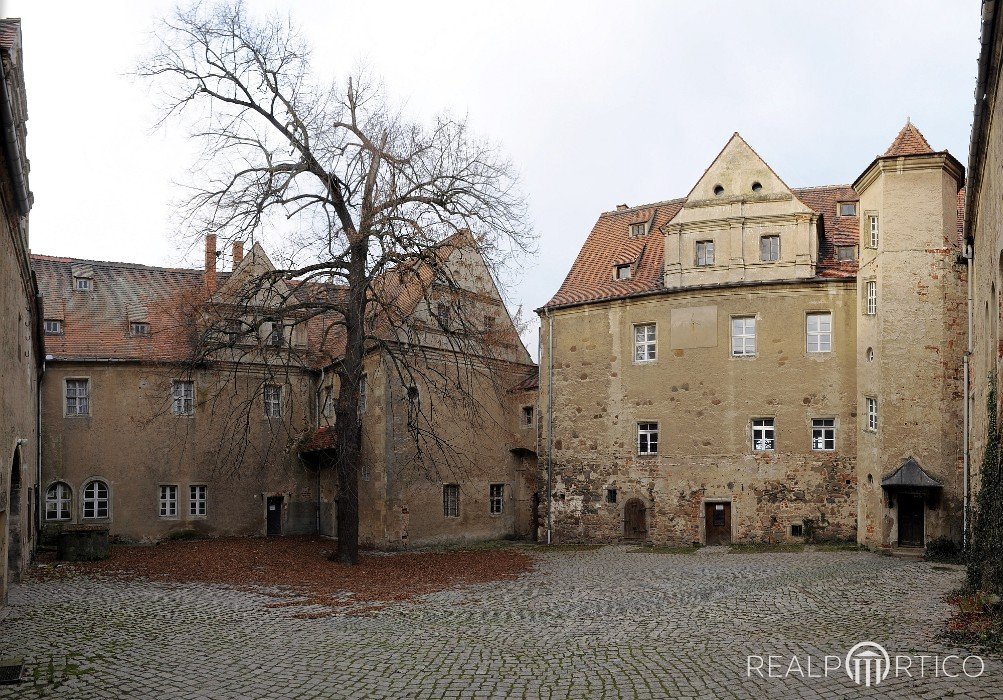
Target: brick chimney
{"points": [[210, 263], [238, 253]]}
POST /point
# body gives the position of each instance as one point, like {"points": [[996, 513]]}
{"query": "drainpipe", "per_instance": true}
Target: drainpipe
{"points": [[967, 411], [550, 429], [318, 405]]}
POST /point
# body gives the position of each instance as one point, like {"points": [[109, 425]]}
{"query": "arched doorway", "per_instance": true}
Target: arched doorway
{"points": [[635, 520], [14, 520]]}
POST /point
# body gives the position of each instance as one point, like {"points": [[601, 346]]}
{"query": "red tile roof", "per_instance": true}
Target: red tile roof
{"points": [[909, 142], [322, 439], [530, 383]]}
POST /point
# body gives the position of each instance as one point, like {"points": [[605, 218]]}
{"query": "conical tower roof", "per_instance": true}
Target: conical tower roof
{"points": [[909, 142]]}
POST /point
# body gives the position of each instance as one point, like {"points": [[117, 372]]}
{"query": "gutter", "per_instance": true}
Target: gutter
{"points": [[980, 116], [12, 148]]}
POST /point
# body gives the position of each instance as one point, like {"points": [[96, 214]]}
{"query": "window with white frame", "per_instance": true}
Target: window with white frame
{"points": [[53, 326], [82, 284], [705, 253], [743, 336], [769, 248], [451, 501], [621, 272], [819, 332], [496, 498], [872, 298], [95, 500], [78, 397], [763, 434], [823, 434], [275, 333], [647, 438], [197, 498], [872, 413], [139, 328], [638, 229], [847, 208], [58, 501], [645, 345], [873, 227], [183, 395], [168, 501], [272, 395]]}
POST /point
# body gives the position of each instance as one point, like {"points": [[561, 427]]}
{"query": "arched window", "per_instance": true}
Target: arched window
{"points": [[58, 501], [96, 499]]}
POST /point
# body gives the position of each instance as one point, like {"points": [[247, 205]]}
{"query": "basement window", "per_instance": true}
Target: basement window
{"points": [[621, 272], [797, 530]]}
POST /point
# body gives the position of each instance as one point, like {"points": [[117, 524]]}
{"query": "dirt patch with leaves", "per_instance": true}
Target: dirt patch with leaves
{"points": [[298, 571]]}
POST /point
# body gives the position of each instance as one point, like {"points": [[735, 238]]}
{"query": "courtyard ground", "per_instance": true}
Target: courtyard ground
{"points": [[261, 619]]}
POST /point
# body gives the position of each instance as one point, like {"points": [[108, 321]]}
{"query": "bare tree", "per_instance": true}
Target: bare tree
{"points": [[364, 197]]}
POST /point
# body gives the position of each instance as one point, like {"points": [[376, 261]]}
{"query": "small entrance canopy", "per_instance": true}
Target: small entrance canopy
{"points": [[910, 476], [321, 440]]}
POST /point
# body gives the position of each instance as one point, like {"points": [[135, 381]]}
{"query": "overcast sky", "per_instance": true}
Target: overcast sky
{"points": [[596, 103]]}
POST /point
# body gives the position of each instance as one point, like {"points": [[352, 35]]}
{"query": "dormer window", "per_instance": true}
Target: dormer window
{"points": [[637, 230], [847, 208], [846, 253], [82, 284], [139, 328], [621, 272], [53, 326]]}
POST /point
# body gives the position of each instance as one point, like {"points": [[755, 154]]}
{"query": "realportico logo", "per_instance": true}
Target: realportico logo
{"points": [[867, 664]]}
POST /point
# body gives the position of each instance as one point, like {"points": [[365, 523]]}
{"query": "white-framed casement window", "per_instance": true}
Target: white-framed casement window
{"points": [[763, 434], [95, 500], [621, 272], [705, 253], [58, 501], [871, 409], [78, 397], [168, 501], [647, 438], [53, 326], [818, 329], [872, 297], [364, 393], [823, 434], [82, 284], [872, 222], [638, 229], [496, 498], [139, 328], [645, 343], [451, 500], [183, 397], [197, 500], [743, 336], [769, 248], [272, 395]]}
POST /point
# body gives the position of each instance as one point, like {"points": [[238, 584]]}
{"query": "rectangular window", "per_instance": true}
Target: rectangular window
{"points": [[647, 438], [645, 343], [442, 313], [622, 272], [78, 399], [168, 501], [637, 230], [819, 332], [705, 253], [58, 500], [527, 416], [872, 298], [743, 336], [451, 501], [275, 334], [496, 498], [273, 401], [82, 284], [53, 327], [611, 495], [197, 500], [183, 393], [872, 413], [769, 248], [873, 225], [823, 434], [847, 208], [139, 329], [763, 434], [846, 253]]}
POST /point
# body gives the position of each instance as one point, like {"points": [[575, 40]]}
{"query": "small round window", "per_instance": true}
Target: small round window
{"points": [[718, 190], [870, 354], [757, 186]]}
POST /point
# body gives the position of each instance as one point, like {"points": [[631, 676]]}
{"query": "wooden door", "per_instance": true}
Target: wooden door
{"points": [[717, 523], [911, 512], [635, 520], [274, 515]]}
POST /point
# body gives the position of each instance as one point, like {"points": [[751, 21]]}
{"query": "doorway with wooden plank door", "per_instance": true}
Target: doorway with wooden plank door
{"points": [[717, 523], [273, 516], [635, 520], [912, 509]]}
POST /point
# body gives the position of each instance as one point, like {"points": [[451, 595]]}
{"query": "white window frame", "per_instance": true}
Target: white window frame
{"points": [[272, 402], [871, 288], [707, 259], [77, 403], [168, 498], [638, 230], [183, 397], [871, 413], [53, 326], [646, 345], [82, 284], [743, 340], [764, 434], [818, 340], [496, 499], [198, 500], [98, 505], [450, 500], [823, 434], [647, 438], [872, 223], [840, 206], [770, 258], [58, 500]]}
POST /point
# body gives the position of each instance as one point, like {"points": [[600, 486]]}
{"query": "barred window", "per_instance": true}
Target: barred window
{"points": [[451, 501], [183, 394], [496, 498]]}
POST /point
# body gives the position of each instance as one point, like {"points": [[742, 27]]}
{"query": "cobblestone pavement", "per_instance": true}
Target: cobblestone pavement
{"points": [[584, 624]]}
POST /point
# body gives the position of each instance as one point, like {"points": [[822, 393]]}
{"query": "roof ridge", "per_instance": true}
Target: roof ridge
{"points": [[113, 263], [823, 187], [628, 210]]}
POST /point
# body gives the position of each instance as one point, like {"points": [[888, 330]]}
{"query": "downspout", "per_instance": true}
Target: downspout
{"points": [[550, 428], [320, 390], [967, 410]]}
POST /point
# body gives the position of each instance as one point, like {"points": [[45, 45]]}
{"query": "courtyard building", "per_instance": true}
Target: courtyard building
{"points": [[755, 362]]}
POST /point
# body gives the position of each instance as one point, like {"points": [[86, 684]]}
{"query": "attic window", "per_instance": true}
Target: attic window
{"points": [[846, 253], [847, 208], [53, 326], [622, 272], [757, 186], [637, 230], [82, 284], [138, 328], [718, 190]]}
